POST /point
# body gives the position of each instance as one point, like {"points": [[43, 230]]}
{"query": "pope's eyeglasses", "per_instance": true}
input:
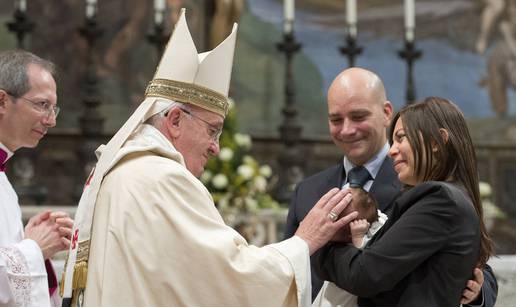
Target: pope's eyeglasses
{"points": [[214, 132]]}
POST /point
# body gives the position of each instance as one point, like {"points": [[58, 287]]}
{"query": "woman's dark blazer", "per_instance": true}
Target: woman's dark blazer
{"points": [[423, 256]]}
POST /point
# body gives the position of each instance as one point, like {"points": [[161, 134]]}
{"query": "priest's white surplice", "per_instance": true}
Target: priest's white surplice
{"points": [[23, 278]]}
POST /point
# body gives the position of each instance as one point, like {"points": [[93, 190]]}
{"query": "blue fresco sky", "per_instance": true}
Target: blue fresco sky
{"points": [[442, 71]]}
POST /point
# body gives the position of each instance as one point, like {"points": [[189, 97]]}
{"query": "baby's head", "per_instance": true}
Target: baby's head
{"points": [[365, 204]]}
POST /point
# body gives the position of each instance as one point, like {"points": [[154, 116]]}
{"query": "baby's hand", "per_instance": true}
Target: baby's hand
{"points": [[358, 229]]}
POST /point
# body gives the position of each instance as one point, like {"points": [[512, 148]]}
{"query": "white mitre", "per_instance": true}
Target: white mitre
{"points": [[183, 75], [199, 79]]}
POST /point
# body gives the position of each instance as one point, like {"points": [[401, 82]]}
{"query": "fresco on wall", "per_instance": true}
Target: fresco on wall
{"points": [[468, 50], [126, 60]]}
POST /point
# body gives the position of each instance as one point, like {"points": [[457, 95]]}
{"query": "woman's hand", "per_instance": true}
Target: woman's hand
{"points": [[322, 222]]}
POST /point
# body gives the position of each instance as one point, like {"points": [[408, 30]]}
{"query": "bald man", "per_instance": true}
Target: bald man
{"points": [[358, 116]]}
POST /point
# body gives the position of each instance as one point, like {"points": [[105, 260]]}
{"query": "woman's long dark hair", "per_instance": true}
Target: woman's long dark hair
{"points": [[455, 158]]}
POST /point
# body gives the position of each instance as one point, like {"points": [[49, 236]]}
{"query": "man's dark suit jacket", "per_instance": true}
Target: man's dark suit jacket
{"points": [[385, 188], [422, 256]]}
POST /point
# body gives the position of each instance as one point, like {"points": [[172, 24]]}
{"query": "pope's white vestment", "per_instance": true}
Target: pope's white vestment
{"points": [[158, 240], [23, 277]]}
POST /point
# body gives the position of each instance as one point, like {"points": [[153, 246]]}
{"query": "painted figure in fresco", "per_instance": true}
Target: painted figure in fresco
{"points": [[501, 66], [492, 11], [226, 13]]}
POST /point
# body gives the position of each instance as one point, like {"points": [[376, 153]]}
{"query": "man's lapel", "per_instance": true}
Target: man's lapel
{"points": [[334, 179]]}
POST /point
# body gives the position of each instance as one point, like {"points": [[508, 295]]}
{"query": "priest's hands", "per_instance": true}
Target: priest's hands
{"points": [[51, 231], [322, 222]]}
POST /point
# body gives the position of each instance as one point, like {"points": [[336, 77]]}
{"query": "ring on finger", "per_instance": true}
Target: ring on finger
{"points": [[333, 216]]}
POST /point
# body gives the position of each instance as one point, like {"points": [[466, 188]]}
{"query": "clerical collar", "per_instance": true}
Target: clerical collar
{"points": [[5, 154]]}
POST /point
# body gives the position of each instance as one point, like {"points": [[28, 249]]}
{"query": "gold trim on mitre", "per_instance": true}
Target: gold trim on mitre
{"points": [[184, 92]]}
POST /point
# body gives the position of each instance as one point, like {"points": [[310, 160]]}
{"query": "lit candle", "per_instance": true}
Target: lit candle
{"points": [[351, 17], [91, 8], [410, 20], [21, 5], [159, 9], [288, 10]]}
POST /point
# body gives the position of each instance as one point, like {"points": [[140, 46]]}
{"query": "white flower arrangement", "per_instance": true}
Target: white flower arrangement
{"points": [[236, 180], [206, 176], [243, 140], [226, 154], [260, 183], [490, 210], [265, 171], [220, 181], [484, 189], [245, 171]]}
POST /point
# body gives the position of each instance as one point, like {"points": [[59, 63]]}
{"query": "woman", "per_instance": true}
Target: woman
{"points": [[435, 236]]}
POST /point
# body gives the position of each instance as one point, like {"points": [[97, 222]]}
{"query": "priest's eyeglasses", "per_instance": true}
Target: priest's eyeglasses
{"points": [[42, 106], [213, 131]]}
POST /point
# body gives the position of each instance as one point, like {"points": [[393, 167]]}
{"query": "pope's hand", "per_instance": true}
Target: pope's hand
{"points": [[65, 223], [322, 222]]}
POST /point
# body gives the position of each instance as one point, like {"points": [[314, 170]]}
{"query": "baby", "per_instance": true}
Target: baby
{"points": [[360, 231]]}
